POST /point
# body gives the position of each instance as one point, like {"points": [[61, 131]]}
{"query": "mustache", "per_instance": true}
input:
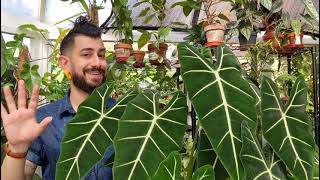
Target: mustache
{"points": [[88, 70]]}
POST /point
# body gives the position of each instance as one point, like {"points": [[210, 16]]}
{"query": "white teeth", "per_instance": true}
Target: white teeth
{"points": [[95, 73]]}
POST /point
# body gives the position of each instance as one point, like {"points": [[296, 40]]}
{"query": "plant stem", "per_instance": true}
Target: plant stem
{"points": [[193, 154]]}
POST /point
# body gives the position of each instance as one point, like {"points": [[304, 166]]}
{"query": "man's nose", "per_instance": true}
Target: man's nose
{"points": [[98, 61]]}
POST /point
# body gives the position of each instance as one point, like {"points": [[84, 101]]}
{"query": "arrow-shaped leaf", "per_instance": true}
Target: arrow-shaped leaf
{"points": [[170, 168], [222, 99], [286, 127], [254, 162], [147, 135], [204, 173], [90, 133], [206, 155]]}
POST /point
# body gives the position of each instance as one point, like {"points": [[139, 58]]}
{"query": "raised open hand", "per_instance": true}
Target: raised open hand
{"points": [[20, 124]]}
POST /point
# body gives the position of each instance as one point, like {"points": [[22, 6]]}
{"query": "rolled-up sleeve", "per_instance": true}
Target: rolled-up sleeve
{"points": [[35, 152]]}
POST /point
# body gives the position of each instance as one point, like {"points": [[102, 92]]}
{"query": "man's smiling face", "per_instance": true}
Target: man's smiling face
{"points": [[87, 63]]}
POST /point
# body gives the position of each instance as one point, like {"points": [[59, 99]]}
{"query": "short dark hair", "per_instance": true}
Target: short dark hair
{"points": [[82, 26]]}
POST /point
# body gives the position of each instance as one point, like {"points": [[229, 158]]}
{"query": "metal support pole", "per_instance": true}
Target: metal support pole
{"points": [[178, 80], [315, 95], [193, 121], [289, 59], [289, 63]]}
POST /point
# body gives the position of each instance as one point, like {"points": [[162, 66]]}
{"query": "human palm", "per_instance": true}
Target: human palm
{"points": [[19, 123]]}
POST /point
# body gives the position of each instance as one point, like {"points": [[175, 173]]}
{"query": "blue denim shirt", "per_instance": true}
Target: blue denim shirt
{"points": [[44, 151]]}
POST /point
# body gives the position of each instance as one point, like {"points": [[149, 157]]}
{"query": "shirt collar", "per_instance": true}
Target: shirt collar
{"points": [[65, 105]]}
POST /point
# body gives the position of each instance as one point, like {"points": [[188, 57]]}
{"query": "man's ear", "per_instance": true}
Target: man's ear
{"points": [[63, 62]]}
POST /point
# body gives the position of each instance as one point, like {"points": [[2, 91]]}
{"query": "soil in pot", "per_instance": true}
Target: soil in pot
{"points": [[122, 51], [244, 43], [215, 33], [138, 56]]}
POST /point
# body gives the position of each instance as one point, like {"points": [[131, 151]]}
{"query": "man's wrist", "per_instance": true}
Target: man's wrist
{"points": [[17, 155], [18, 148]]}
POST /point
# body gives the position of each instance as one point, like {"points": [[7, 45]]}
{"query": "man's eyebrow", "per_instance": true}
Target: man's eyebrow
{"points": [[102, 49], [86, 49]]}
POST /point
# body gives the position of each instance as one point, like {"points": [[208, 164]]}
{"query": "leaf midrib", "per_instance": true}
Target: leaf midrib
{"points": [[225, 105], [89, 135], [284, 117]]}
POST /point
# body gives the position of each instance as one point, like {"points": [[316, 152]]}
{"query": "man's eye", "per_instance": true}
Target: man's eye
{"points": [[85, 54]]}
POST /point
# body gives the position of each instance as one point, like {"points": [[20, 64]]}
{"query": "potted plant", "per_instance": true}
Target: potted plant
{"points": [[139, 57], [271, 17], [295, 37], [248, 23], [260, 58], [123, 23], [214, 23], [157, 49]]}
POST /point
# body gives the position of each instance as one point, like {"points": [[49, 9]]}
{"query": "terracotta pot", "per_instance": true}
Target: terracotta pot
{"points": [[294, 38], [215, 32], [269, 35], [244, 43], [155, 54], [122, 51], [138, 56]]}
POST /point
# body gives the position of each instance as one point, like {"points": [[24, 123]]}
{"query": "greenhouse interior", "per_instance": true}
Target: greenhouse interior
{"points": [[160, 89]]}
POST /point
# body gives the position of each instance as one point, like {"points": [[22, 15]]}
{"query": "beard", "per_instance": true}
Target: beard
{"points": [[81, 83]]}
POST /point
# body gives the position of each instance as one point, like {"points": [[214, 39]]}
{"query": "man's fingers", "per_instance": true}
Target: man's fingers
{"points": [[43, 124], [4, 112], [34, 97], [9, 99], [21, 94]]}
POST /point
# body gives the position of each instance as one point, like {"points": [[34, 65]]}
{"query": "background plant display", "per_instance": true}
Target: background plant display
{"points": [[231, 127], [249, 126]]}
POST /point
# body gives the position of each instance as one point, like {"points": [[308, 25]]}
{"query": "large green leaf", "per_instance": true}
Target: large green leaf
{"points": [[90, 133], [170, 168], [4, 64], [204, 173], [31, 76], [286, 127], [254, 162], [32, 27], [207, 156], [222, 99], [266, 3], [312, 11], [148, 134]]}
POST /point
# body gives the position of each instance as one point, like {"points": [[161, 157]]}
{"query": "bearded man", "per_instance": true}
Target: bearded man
{"points": [[34, 135]]}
